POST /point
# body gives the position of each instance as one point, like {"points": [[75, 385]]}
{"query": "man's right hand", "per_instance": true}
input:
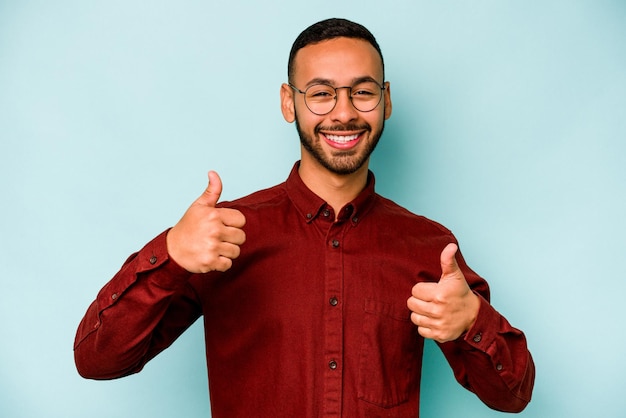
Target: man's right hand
{"points": [[207, 238]]}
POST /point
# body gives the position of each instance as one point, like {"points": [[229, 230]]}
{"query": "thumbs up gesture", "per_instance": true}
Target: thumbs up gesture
{"points": [[446, 309], [207, 238]]}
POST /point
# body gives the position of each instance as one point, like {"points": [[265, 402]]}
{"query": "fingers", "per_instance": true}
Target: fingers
{"points": [[425, 301], [210, 197], [232, 217], [207, 238], [213, 191], [223, 242], [433, 326], [230, 250], [425, 291], [233, 235], [427, 329], [440, 309], [227, 253], [448, 260], [216, 253]]}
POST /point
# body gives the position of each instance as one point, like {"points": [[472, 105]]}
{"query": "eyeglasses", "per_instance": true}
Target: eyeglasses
{"points": [[321, 99]]}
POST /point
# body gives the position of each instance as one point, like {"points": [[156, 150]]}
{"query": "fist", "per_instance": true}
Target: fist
{"points": [[207, 238], [443, 311]]}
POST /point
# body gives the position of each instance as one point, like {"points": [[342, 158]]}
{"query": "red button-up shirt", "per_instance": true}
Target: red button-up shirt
{"points": [[311, 320]]}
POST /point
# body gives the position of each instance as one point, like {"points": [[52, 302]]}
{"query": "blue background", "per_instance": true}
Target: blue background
{"points": [[509, 127]]}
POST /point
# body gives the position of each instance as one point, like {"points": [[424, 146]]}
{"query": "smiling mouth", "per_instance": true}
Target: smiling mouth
{"points": [[341, 139]]}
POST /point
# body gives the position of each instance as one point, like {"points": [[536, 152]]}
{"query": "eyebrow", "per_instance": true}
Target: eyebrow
{"points": [[355, 81]]}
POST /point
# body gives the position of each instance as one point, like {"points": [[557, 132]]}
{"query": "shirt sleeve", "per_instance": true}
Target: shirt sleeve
{"points": [[136, 315], [492, 359]]}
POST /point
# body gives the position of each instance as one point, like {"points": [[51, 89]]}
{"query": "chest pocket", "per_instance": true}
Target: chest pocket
{"points": [[390, 355]]}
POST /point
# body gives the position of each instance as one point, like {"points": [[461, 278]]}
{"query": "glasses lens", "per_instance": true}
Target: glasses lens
{"points": [[366, 96], [320, 98]]}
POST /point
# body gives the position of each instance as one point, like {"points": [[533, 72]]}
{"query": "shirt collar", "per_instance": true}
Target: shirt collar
{"points": [[310, 205]]}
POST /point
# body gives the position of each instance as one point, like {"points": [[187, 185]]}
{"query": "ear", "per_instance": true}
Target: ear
{"points": [[287, 105], [387, 99]]}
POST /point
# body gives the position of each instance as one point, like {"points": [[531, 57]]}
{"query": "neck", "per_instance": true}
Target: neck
{"points": [[336, 189]]}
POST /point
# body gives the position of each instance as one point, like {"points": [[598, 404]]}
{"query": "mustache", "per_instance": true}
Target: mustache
{"points": [[347, 127]]}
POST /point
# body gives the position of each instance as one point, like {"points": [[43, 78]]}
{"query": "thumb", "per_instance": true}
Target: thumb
{"points": [[212, 192], [448, 260]]}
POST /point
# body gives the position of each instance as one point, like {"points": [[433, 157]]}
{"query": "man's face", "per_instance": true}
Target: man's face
{"points": [[342, 140]]}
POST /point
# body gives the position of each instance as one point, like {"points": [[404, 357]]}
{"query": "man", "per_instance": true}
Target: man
{"points": [[316, 294]]}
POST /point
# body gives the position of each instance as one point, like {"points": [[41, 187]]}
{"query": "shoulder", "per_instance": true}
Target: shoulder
{"points": [[404, 218], [269, 197]]}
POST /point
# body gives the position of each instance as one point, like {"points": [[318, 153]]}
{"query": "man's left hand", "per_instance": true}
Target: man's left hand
{"points": [[443, 311]]}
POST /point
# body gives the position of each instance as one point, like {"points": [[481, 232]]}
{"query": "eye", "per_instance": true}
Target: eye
{"points": [[365, 90], [320, 92]]}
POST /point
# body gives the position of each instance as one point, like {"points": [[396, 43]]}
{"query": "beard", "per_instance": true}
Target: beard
{"points": [[340, 162]]}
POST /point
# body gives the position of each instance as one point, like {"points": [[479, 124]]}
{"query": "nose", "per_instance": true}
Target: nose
{"points": [[344, 111]]}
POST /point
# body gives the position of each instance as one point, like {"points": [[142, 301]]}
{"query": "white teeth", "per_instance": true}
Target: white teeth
{"points": [[342, 139]]}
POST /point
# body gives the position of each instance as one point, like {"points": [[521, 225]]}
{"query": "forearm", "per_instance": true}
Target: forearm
{"points": [[125, 327], [492, 360]]}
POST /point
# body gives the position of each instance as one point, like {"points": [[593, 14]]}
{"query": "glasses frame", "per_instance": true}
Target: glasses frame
{"points": [[382, 88]]}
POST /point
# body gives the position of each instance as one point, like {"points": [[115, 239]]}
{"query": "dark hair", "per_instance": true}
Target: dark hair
{"points": [[330, 29]]}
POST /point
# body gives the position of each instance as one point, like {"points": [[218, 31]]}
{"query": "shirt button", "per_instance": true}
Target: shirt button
{"points": [[355, 219], [499, 367], [335, 243], [333, 301], [326, 213], [153, 259], [114, 296], [332, 365], [309, 215], [477, 338]]}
